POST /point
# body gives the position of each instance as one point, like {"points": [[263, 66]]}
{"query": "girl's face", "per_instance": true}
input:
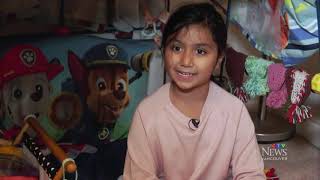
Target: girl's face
{"points": [[190, 57]]}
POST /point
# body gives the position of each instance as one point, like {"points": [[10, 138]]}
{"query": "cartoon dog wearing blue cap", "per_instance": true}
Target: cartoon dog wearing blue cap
{"points": [[102, 78]]}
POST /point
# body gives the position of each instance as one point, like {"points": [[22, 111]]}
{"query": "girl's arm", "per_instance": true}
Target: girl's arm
{"points": [[247, 163], [140, 163]]}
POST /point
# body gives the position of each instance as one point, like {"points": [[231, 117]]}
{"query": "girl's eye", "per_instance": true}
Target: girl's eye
{"points": [[176, 48], [201, 51]]}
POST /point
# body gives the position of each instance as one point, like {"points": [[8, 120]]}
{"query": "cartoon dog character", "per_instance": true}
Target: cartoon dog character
{"points": [[25, 88], [24, 80], [102, 77]]}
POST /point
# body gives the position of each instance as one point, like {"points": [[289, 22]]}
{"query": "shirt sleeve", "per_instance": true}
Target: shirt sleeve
{"points": [[140, 163], [247, 163]]}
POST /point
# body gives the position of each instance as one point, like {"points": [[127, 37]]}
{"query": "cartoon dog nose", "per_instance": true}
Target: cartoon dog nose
{"points": [[119, 94], [36, 96]]}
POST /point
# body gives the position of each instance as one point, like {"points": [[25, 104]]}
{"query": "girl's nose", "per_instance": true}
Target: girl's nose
{"points": [[187, 59]]}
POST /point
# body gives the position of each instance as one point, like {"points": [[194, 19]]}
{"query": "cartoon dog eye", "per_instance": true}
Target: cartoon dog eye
{"points": [[101, 84], [38, 88], [17, 93], [121, 85]]}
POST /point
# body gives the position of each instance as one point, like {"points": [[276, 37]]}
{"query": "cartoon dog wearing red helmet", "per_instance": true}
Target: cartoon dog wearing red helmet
{"points": [[25, 76]]}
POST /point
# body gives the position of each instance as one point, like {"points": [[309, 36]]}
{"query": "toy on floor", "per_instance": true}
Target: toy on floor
{"points": [[271, 174]]}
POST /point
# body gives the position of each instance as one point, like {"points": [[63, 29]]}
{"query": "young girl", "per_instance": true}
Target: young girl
{"points": [[191, 128]]}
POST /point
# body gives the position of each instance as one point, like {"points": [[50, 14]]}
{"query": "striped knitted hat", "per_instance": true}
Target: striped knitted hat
{"points": [[299, 87]]}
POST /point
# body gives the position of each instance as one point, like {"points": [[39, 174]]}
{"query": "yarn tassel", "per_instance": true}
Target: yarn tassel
{"points": [[306, 111], [241, 94], [297, 114]]}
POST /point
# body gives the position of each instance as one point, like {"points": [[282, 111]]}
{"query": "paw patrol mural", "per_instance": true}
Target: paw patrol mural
{"points": [[102, 76], [25, 85], [76, 95]]}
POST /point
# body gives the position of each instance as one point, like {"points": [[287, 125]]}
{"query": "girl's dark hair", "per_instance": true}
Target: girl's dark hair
{"points": [[199, 13]]}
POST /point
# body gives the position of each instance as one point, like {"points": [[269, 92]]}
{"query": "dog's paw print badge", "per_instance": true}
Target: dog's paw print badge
{"points": [[28, 57], [112, 51], [103, 133]]}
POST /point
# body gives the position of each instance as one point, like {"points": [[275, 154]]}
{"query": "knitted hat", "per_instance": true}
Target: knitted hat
{"points": [[278, 95], [315, 83], [298, 85], [256, 84], [235, 70]]}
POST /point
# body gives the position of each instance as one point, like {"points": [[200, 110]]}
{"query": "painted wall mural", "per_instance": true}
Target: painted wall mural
{"points": [[77, 93]]}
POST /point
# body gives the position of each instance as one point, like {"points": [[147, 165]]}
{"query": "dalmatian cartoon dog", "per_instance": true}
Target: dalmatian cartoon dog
{"points": [[25, 75], [25, 89]]}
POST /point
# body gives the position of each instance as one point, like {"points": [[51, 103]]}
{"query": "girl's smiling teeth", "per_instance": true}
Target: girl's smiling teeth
{"points": [[185, 74]]}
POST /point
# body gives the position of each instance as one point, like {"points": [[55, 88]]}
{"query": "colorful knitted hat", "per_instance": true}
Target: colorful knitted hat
{"points": [[278, 94], [315, 83], [256, 84], [235, 70], [298, 85]]}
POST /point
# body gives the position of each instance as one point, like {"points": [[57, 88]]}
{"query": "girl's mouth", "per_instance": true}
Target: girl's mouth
{"points": [[185, 74]]}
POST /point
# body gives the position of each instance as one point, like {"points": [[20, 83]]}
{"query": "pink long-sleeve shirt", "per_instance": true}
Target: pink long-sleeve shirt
{"points": [[162, 146]]}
